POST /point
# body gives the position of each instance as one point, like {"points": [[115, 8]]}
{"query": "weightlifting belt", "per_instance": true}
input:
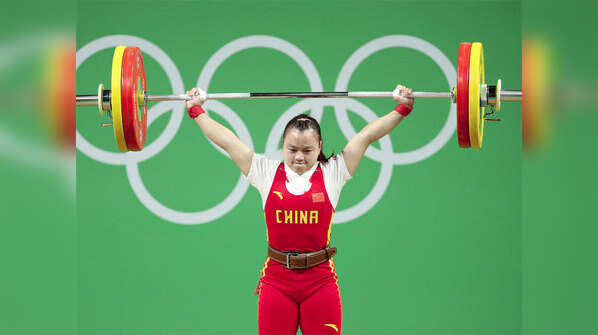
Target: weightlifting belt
{"points": [[301, 260]]}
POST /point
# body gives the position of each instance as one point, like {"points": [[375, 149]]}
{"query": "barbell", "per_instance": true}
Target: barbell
{"points": [[126, 103]]}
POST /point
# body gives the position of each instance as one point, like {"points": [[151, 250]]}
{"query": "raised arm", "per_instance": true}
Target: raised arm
{"points": [[356, 147], [219, 134]]}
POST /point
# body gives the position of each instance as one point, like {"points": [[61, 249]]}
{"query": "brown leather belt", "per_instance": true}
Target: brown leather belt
{"points": [[301, 260]]}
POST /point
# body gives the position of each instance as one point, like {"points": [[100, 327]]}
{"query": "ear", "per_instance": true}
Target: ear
{"points": [[320, 144]]}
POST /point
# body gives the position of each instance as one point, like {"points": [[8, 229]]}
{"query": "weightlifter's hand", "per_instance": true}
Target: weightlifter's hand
{"points": [[198, 97], [401, 95]]}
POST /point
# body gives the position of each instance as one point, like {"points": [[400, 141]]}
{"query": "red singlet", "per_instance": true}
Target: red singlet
{"points": [[309, 298]]}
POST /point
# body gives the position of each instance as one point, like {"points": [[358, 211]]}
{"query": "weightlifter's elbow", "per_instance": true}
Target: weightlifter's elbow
{"points": [[365, 139]]}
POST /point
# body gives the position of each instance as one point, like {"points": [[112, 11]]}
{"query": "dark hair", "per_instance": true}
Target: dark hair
{"points": [[304, 122]]}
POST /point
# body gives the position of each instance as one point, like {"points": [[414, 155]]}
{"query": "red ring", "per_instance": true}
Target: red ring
{"points": [[463, 95], [134, 127]]}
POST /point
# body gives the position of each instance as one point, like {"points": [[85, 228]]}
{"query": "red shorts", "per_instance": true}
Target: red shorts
{"points": [[308, 298]]}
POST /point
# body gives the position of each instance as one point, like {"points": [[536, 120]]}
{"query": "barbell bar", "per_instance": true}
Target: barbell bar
{"points": [[128, 99], [92, 100]]}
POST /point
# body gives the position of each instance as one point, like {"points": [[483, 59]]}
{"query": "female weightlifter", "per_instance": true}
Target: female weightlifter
{"points": [[298, 284]]}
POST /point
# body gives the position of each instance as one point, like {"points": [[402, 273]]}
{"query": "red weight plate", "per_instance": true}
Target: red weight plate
{"points": [[463, 95], [134, 113]]}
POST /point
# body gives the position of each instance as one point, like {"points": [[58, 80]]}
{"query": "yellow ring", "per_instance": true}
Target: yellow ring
{"points": [[476, 79], [100, 99], [117, 122], [141, 96]]}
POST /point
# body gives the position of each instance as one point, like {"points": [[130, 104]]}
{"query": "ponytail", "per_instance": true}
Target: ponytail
{"points": [[322, 158]]}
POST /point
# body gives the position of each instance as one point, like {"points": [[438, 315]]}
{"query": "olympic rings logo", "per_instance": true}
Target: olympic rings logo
{"points": [[386, 156]]}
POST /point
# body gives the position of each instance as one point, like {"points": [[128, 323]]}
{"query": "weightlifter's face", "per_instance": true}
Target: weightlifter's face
{"points": [[301, 149]]}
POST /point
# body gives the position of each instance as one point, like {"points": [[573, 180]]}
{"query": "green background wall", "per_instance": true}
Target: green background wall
{"points": [[439, 253]]}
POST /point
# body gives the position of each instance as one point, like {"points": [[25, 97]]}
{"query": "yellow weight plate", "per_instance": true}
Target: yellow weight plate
{"points": [[476, 79], [117, 122]]}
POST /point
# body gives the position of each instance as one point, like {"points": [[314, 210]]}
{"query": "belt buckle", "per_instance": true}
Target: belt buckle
{"points": [[289, 254]]}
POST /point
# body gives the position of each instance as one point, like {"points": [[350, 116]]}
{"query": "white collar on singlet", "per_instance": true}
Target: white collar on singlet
{"points": [[298, 184]]}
